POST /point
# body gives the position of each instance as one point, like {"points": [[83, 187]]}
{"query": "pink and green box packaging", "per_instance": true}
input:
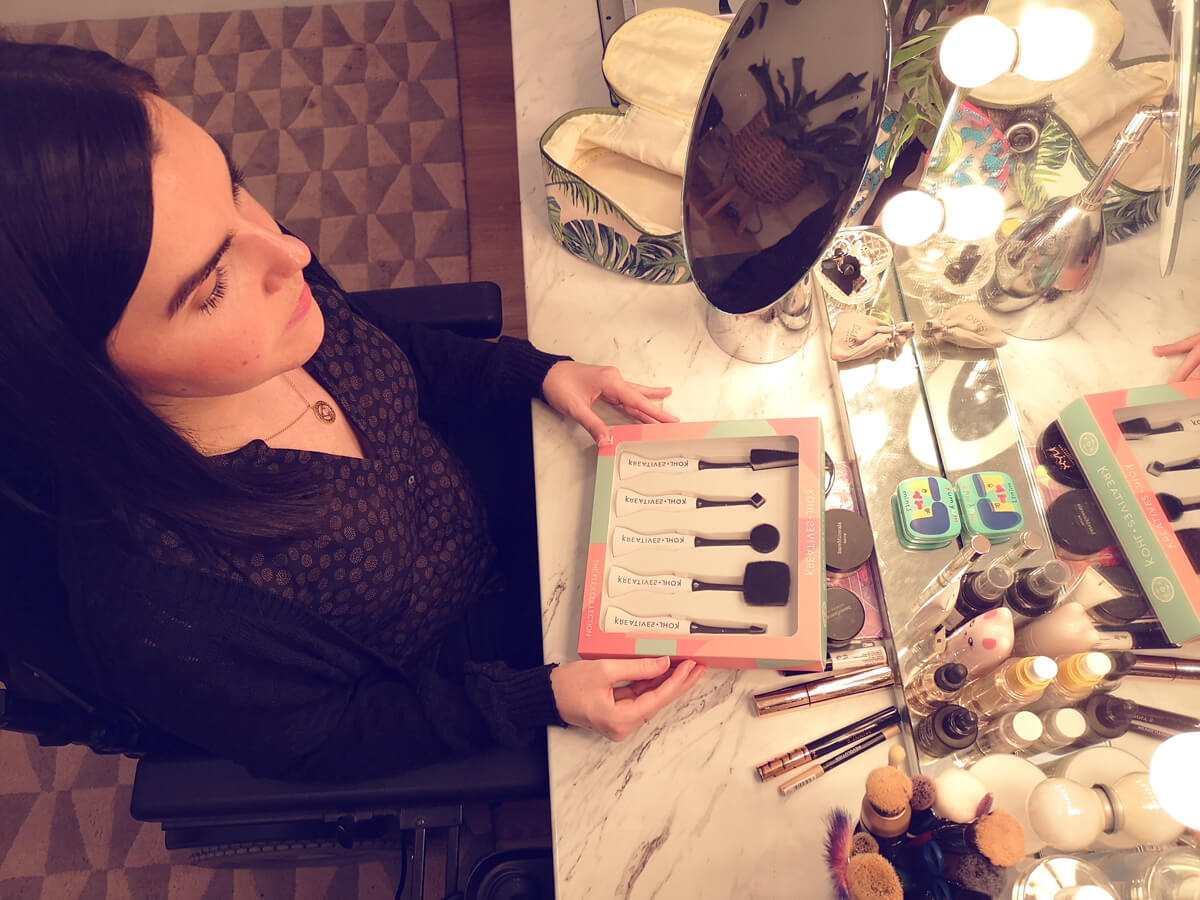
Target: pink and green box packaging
{"points": [[706, 543], [1140, 451]]}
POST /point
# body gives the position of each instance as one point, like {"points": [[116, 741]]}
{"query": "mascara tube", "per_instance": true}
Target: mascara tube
{"points": [[796, 696]]}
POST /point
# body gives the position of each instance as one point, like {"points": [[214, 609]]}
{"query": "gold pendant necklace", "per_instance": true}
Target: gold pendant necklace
{"points": [[323, 410]]}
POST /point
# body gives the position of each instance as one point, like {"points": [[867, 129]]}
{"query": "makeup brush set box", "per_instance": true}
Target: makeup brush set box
{"points": [[1139, 450], [706, 542]]}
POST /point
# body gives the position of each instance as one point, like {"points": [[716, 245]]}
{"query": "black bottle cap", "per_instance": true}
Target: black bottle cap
{"points": [[957, 724], [951, 676], [848, 540], [969, 604], [1122, 662], [1056, 455], [1077, 524], [1109, 712], [1026, 599]]}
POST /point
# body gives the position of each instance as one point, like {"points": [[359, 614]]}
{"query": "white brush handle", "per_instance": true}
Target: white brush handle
{"points": [[632, 465], [616, 619], [622, 581], [629, 502], [626, 540]]}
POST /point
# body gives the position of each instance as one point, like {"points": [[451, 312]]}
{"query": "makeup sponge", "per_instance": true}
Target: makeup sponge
{"points": [[973, 871], [924, 793], [863, 842], [1000, 838], [958, 795], [871, 877], [888, 790]]}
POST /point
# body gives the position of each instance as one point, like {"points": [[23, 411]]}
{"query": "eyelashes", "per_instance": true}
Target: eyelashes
{"points": [[218, 292]]}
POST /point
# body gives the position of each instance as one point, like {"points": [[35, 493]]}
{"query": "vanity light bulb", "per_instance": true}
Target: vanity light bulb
{"points": [[1054, 43], [977, 50], [972, 212], [911, 217], [1146, 819], [1065, 814], [1173, 780]]}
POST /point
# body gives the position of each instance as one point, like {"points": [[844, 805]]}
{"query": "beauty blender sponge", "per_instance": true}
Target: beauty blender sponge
{"points": [[871, 877], [924, 793], [973, 871], [1000, 838], [888, 790], [958, 795], [863, 842]]}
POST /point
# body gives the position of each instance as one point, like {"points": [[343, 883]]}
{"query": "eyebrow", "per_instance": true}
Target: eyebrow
{"points": [[197, 278]]}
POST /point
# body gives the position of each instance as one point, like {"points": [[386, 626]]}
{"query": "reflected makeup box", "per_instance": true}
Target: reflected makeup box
{"points": [[1139, 450], [706, 542]]}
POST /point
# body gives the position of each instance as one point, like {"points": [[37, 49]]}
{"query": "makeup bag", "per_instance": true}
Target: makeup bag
{"points": [[614, 177]]}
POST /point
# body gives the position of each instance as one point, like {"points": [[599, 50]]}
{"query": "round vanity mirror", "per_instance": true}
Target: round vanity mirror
{"points": [[1178, 121], [782, 134]]}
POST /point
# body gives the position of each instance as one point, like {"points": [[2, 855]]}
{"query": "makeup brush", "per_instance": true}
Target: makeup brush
{"points": [[629, 502], [1136, 429], [764, 583], [762, 539], [871, 877], [863, 842], [885, 810], [632, 465], [924, 795], [975, 872], [619, 620], [838, 849], [997, 835], [1174, 508]]}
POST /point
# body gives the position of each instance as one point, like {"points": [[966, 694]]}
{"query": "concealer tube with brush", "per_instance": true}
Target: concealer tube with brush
{"points": [[797, 696], [827, 744], [1164, 718]]}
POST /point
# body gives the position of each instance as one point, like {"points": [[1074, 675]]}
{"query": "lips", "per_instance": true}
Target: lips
{"points": [[302, 307]]}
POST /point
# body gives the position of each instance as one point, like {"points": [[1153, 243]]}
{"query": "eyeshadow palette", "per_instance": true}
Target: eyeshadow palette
{"points": [[706, 542]]}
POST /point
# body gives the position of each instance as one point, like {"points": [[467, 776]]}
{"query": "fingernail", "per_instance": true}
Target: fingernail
{"points": [[687, 665]]}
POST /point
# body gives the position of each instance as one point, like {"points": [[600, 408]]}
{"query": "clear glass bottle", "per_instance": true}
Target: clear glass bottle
{"points": [[936, 599], [950, 729], [1035, 591], [1173, 875], [1010, 733], [1078, 675], [1014, 685], [934, 685], [1108, 718], [981, 591], [1060, 728]]}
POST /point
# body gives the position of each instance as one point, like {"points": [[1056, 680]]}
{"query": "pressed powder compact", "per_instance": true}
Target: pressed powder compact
{"points": [[844, 616], [848, 540], [1077, 525], [1056, 455]]}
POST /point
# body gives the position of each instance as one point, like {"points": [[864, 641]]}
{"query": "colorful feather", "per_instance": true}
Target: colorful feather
{"points": [[837, 849]]}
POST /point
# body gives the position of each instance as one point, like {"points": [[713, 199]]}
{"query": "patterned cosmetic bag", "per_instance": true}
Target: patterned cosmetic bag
{"points": [[614, 177]]}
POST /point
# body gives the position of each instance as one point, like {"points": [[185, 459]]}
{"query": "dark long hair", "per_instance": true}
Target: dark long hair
{"points": [[76, 214]]}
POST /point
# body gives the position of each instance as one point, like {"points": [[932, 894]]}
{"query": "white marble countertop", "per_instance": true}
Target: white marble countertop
{"points": [[677, 810]]}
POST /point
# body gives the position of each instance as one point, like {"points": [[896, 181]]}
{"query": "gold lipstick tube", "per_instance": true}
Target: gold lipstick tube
{"points": [[1166, 667], [796, 696]]}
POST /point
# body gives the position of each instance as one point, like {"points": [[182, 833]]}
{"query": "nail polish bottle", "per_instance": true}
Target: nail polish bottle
{"points": [[1078, 675], [1108, 718], [1060, 728], [1035, 591], [981, 591], [950, 729], [1014, 685], [1010, 733], [1068, 629], [934, 685]]}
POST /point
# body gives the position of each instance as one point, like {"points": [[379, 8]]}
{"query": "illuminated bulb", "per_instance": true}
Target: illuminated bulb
{"points": [[911, 217], [1065, 814], [977, 50], [1172, 777], [1053, 43], [972, 212]]}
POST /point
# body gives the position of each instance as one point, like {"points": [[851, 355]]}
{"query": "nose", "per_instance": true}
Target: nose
{"points": [[285, 256]]}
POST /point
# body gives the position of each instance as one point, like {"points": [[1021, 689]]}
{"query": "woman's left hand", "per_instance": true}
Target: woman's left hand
{"points": [[1190, 367], [572, 388]]}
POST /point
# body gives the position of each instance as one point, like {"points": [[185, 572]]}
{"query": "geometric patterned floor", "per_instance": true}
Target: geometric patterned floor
{"points": [[345, 119]]}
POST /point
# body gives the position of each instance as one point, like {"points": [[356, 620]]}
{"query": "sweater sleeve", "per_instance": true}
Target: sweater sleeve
{"points": [[242, 674]]}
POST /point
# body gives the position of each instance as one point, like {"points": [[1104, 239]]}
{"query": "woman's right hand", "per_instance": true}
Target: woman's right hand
{"points": [[1190, 367], [587, 692]]}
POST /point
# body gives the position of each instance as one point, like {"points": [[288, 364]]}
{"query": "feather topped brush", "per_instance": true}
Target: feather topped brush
{"points": [[838, 834]]}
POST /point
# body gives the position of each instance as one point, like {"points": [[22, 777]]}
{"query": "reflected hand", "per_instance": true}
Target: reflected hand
{"points": [[572, 388], [1190, 367], [586, 693]]}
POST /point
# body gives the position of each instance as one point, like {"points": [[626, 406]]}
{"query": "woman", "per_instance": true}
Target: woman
{"points": [[272, 544]]}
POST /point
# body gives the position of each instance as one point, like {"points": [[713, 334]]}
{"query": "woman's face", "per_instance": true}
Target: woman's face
{"points": [[221, 306]]}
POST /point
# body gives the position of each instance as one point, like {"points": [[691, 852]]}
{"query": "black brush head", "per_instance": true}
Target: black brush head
{"points": [[767, 583], [773, 459], [757, 500]]}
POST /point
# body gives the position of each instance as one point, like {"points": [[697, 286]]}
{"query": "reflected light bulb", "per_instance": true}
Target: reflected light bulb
{"points": [[1172, 777], [972, 212], [1053, 43], [911, 217], [977, 50]]}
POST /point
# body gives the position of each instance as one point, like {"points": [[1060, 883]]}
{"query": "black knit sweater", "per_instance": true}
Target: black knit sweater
{"points": [[258, 677]]}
